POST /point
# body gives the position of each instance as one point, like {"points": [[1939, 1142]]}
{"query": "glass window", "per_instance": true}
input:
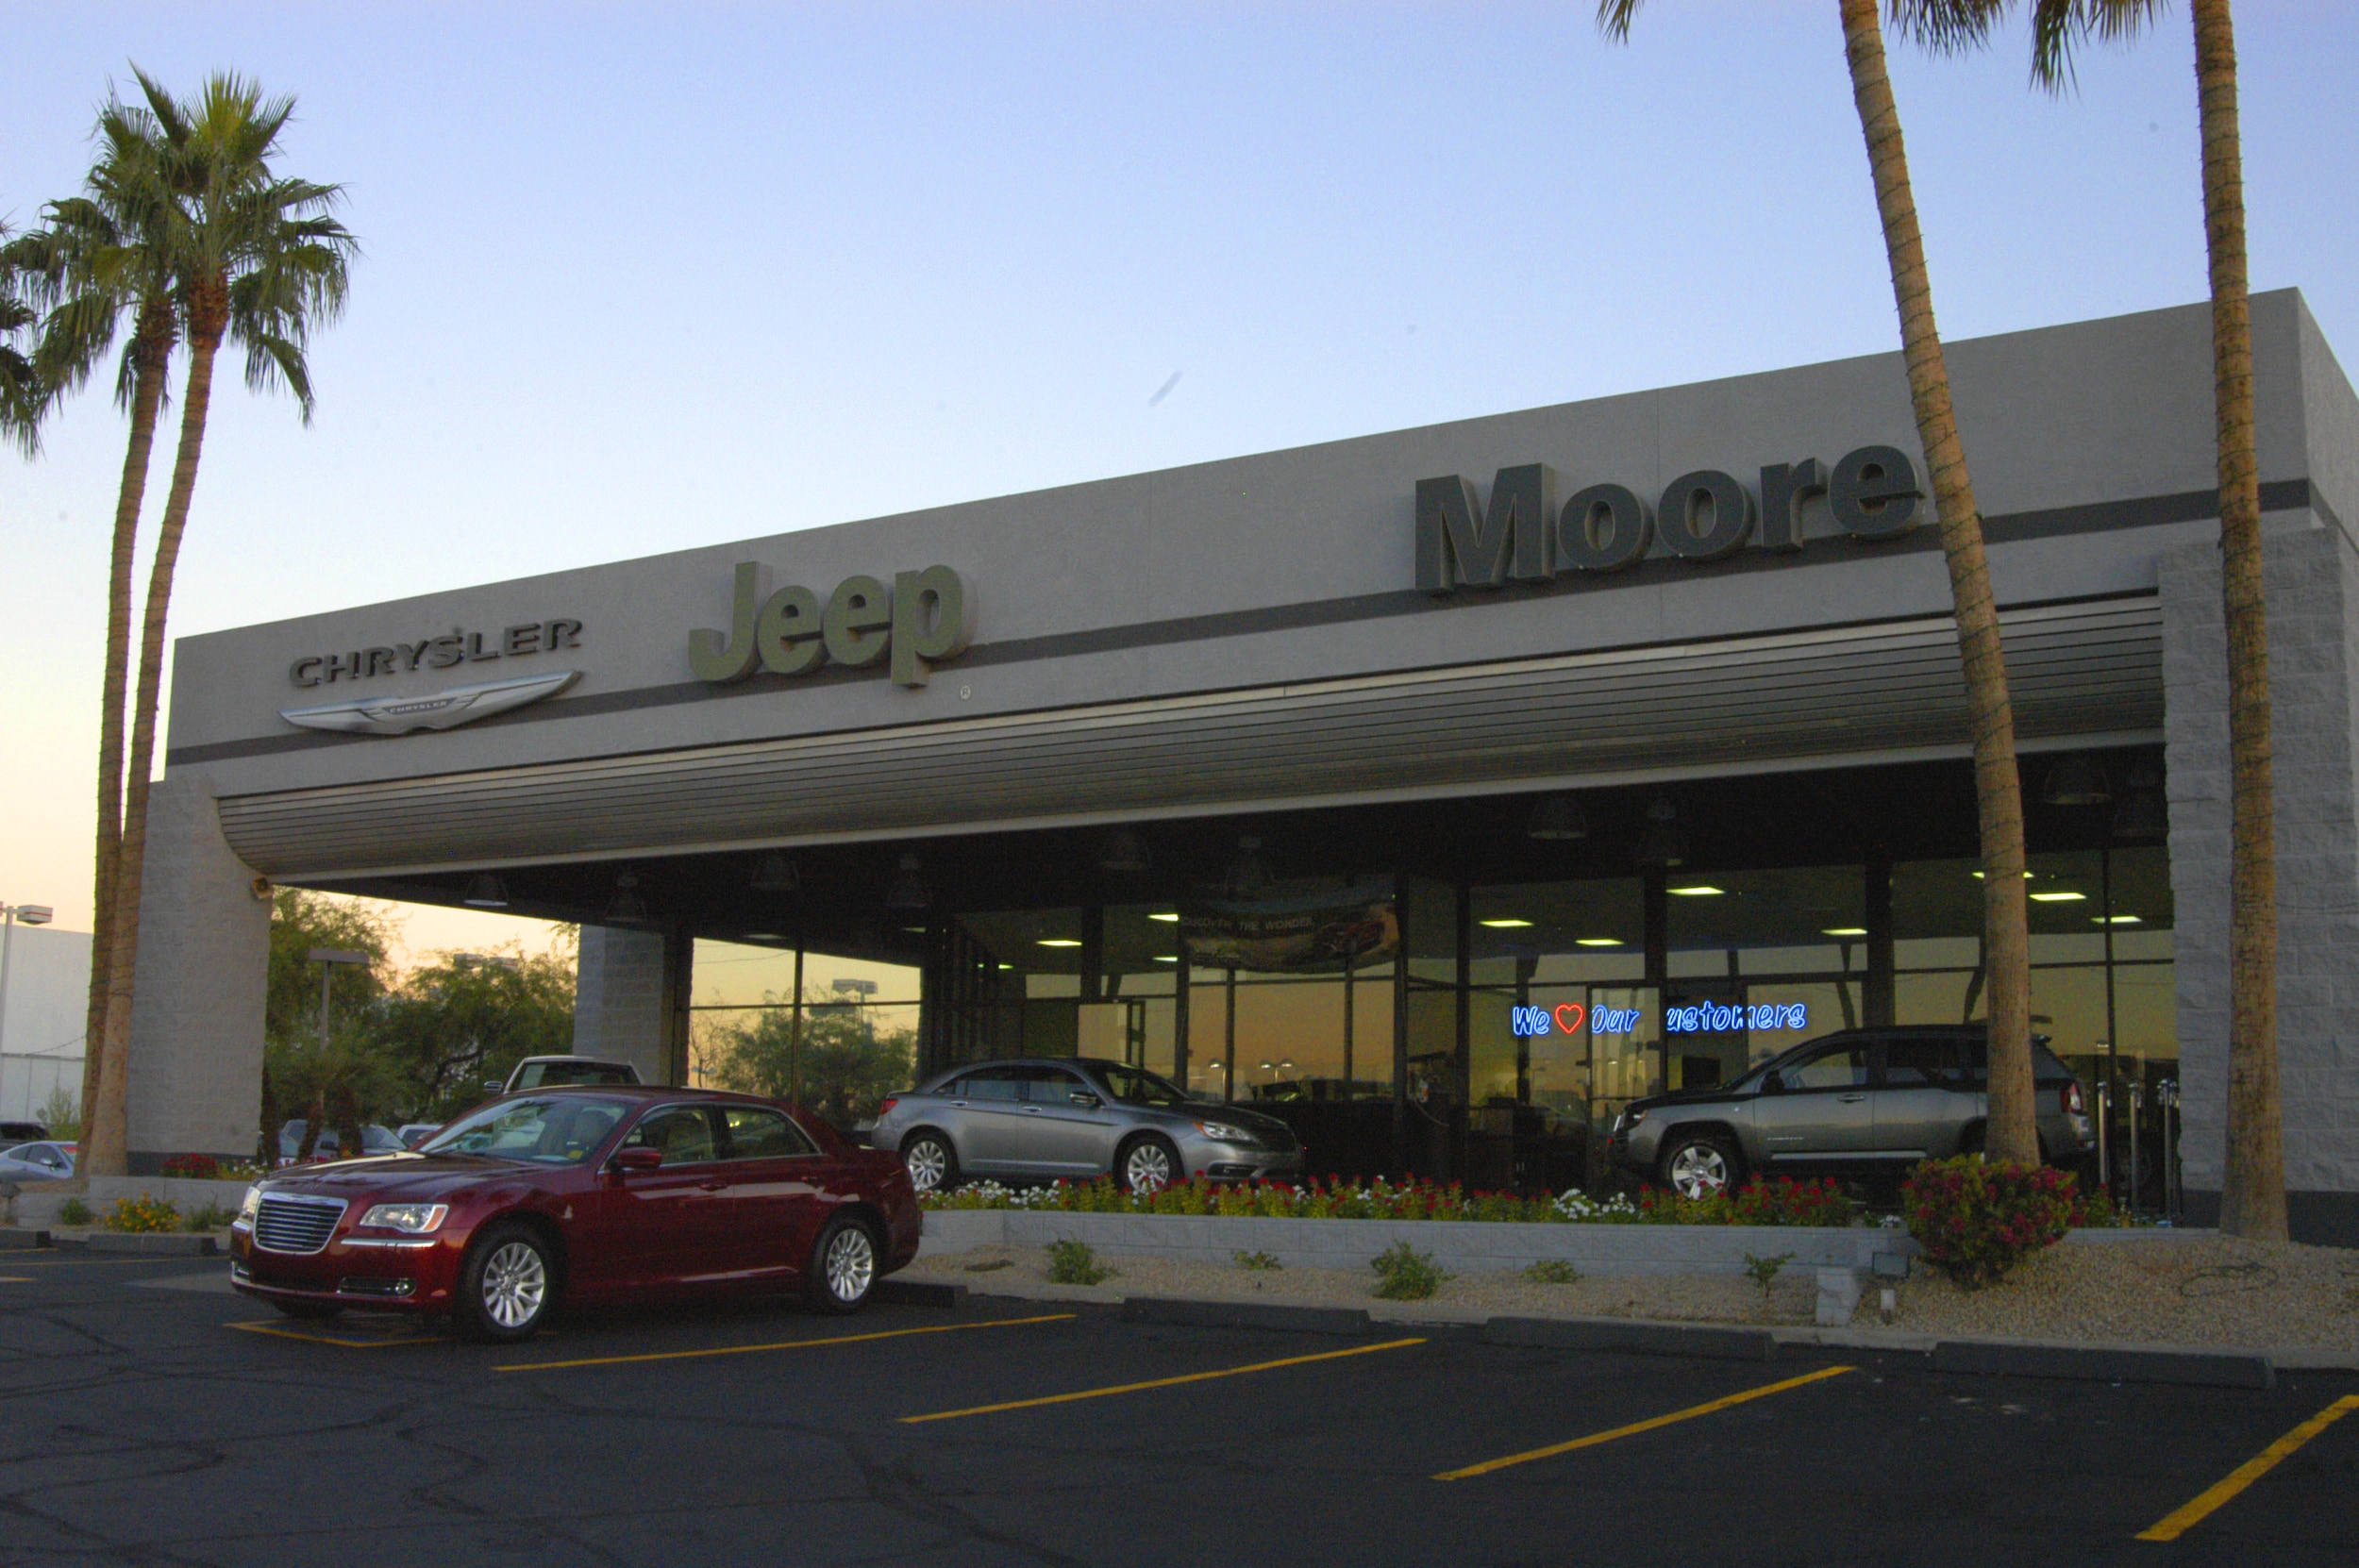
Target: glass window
{"points": [[1915, 1060], [758, 1134], [1052, 1086], [1802, 920], [1132, 1087], [682, 1132], [1829, 1067], [992, 1083], [553, 1132]]}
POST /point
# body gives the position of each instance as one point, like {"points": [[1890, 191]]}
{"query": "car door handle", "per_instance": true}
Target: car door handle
{"points": [[1031, 1110], [1850, 1099], [716, 1185]]}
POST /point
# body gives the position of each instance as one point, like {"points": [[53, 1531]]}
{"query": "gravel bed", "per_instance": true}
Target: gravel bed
{"points": [[2208, 1290]]}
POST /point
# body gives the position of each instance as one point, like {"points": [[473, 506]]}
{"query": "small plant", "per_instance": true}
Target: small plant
{"points": [[1074, 1264], [192, 1167], [1403, 1273], [73, 1212], [1977, 1219], [1258, 1261], [1764, 1271], [143, 1214], [211, 1217], [1552, 1271], [989, 1266]]}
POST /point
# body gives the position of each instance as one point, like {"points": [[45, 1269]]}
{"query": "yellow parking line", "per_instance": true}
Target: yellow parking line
{"points": [[1647, 1426], [16, 1279], [1159, 1382], [781, 1344], [2194, 1512], [374, 1341], [152, 1260]]}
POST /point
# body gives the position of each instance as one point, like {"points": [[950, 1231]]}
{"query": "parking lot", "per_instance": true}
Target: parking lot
{"points": [[145, 1419]]}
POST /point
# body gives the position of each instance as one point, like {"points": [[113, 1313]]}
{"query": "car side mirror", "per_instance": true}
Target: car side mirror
{"points": [[1086, 1101], [1772, 1084], [638, 1160], [490, 1086]]}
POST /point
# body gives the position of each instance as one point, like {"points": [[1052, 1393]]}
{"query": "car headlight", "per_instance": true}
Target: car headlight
{"points": [[251, 1206], [416, 1218], [1226, 1132]]}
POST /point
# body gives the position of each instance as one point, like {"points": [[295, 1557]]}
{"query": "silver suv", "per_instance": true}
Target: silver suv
{"points": [[1078, 1117], [1858, 1102]]}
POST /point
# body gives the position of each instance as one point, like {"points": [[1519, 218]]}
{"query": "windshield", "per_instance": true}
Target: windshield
{"points": [[1132, 1086], [553, 1132]]}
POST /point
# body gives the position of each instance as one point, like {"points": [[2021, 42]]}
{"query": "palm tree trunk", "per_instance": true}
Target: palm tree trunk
{"points": [[151, 352], [2252, 1198], [110, 1129], [1998, 788]]}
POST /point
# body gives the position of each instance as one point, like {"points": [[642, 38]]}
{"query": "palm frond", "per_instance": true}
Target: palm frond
{"points": [[1946, 27], [2059, 26], [1614, 17]]}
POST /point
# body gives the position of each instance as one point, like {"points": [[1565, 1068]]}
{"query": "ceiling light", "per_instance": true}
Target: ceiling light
{"points": [[1844, 932], [914, 930], [1663, 844], [1506, 925], [1059, 941], [775, 874], [909, 890], [1166, 957], [1700, 890], [1557, 818], [1168, 917], [2027, 875], [2116, 920], [2076, 781], [1007, 966], [486, 892], [2058, 897], [765, 936], [1597, 942], [1247, 875], [626, 908]]}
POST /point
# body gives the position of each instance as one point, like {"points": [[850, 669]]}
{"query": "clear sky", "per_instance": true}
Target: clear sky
{"points": [[646, 276]]}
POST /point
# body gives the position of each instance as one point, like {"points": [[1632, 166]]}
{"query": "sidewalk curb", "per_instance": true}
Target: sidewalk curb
{"points": [[23, 1241], [918, 1293], [1635, 1336], [164, 1244], [1244, 1314]]}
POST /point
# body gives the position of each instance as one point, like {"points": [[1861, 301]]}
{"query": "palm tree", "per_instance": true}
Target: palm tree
{"points": [[2253, 1197], [256, 260], [99, 261], [2013, 1134], [22, 398]]}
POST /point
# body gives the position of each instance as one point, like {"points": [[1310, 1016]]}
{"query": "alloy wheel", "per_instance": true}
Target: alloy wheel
{"points": [[927, 1162], [515, 1283], [851, 1264], [1698, 1171], [1147, 1168]]}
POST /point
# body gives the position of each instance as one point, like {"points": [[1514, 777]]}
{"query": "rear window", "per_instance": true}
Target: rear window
{"points": [[1957, 1058]]}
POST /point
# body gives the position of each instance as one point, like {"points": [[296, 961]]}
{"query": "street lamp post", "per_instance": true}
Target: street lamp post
{"points": [[31, 914], [328, 959]]}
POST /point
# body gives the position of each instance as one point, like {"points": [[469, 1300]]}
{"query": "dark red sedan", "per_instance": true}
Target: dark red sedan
{"points": [[600, 1193]]}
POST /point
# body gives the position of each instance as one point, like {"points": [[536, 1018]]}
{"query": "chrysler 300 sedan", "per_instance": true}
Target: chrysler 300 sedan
{"points": [[582, 1194], [1859, 1102], [1076, 1116]]}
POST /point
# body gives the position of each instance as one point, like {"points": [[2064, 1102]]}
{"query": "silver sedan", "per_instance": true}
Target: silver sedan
{"points": [[1041, 1118], [37, 1163]]}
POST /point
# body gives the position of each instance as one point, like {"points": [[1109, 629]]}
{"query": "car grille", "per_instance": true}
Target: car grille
{"points": [[297, 1225]]}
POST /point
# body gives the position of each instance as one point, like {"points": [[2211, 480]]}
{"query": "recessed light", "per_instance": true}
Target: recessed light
{"points": [[1168, 918], [1007, 966], [2117, 919], [2058, 897], [1059, 941], [1699, 891], [1844, 932], [914, 930], [1597, 942], [2027, 876], [1166, 957], [1506, 925], [765, 936]]}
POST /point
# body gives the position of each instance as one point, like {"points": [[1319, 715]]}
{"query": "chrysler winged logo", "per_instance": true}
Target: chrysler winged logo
{"points": [[460, 704]]}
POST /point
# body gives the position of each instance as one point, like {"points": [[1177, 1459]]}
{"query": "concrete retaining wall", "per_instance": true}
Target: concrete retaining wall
{"points": [[35, 1206]]}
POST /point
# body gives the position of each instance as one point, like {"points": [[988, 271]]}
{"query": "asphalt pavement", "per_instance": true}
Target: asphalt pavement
{"points": [[149, 1416]]}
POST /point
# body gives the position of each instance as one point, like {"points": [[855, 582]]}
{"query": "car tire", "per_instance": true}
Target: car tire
{"points": [[507, 1286], [931, 1163], [845, 1263], [309, 1311], [1149, 1164], [1700, 1164]]}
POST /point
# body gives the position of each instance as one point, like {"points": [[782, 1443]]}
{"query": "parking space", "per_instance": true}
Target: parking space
{"points": [[147, 1415]]}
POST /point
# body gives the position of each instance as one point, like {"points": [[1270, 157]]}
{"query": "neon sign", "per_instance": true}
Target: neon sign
{"points": [[1567, 1017], [1715, 1018]]}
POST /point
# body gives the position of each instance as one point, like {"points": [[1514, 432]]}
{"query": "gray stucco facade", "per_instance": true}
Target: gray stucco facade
{"points": [[1248, 636]]}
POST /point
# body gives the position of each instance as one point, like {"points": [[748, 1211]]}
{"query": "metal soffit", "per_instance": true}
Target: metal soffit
{"points": [[2074, 669]]}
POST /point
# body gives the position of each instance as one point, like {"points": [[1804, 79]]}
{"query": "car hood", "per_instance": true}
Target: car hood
{"points": [[1257, 1122], [1721, 1094], [401, 1176]]}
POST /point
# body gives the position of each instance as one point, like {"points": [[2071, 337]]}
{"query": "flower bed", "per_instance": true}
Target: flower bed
{"points": [[1783, 1202]]}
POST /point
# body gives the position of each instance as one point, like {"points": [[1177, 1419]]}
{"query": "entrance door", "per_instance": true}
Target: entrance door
{"points": [[1821, 1109]]}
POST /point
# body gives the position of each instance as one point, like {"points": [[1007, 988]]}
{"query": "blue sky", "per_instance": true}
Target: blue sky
{"points": [[640, 277]]}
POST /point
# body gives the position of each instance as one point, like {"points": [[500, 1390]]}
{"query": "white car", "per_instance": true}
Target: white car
{"points": [[37, 1163]]}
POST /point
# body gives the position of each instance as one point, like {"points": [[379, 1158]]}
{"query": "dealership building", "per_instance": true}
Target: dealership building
{"points": [[1446, 788]]}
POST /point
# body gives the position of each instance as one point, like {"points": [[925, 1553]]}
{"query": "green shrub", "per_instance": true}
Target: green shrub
{"points": [[1074, 1264], [1977, 1219], [211, 1217], [143, 1214], [1405, 1275], [73, 1212], [1766, 1270], [1552, 1271], [1258, 1261]]}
